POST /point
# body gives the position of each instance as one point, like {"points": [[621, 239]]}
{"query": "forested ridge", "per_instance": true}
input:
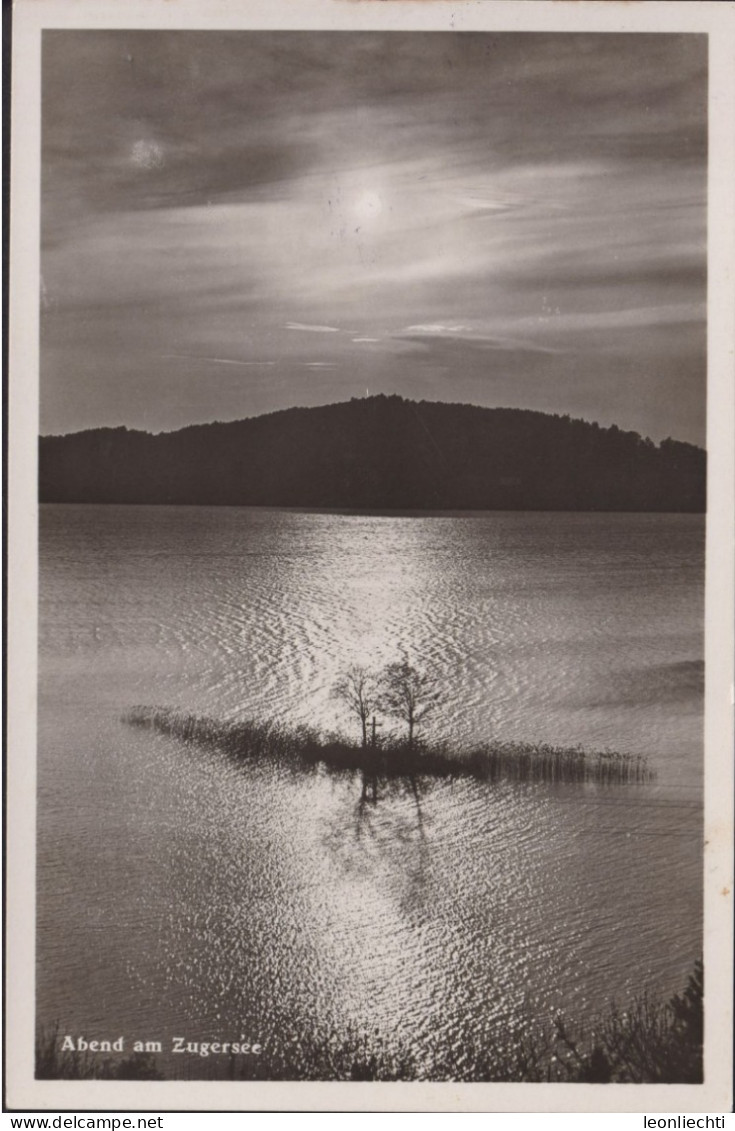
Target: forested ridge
{"points": [[376, 453]]}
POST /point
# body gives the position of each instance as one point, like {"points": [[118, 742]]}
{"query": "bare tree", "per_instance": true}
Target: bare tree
{"points": [[408, 694], [358, 690]]}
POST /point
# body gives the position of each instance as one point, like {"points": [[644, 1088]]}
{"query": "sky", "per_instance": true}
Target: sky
{"points": [[238, 222]]}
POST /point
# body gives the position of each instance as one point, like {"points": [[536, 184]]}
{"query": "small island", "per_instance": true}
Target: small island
{"points": [[406, 694]]}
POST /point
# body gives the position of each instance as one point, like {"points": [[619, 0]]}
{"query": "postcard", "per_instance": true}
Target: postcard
{"points": [[370, 588]]}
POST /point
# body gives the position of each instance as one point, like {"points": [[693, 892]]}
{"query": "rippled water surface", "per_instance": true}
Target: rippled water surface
{"points": [[180, 894]]}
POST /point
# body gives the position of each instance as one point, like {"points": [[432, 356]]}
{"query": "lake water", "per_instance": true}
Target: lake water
{"points": [[182, 895]]}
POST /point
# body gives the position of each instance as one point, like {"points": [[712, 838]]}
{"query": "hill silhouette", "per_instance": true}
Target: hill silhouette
{"points": [[380, 453]]}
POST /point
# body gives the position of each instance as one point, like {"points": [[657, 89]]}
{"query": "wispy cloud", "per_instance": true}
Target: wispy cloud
{"points": [[437, 328], [217, 360], [312, 329], [483, 344], [643, 316]]}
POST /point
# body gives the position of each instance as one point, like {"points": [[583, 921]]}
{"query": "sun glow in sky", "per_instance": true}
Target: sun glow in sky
{"points": [[368, 205], [239, 222]]}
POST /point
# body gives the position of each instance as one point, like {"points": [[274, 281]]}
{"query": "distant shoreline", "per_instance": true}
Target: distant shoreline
{"points": [[383, 454]]}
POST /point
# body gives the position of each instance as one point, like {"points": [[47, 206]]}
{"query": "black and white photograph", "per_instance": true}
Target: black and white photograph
{"points": [[374, 548]]}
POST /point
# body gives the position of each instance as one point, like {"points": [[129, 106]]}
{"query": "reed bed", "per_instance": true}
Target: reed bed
{"points": [[491, 761]]}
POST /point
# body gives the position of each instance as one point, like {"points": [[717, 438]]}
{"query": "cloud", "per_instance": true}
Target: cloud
{"points": [[147, 154], [673, 314], [312, 329], [437, 328], [217, 360], [234, 112], [484, 344]]}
